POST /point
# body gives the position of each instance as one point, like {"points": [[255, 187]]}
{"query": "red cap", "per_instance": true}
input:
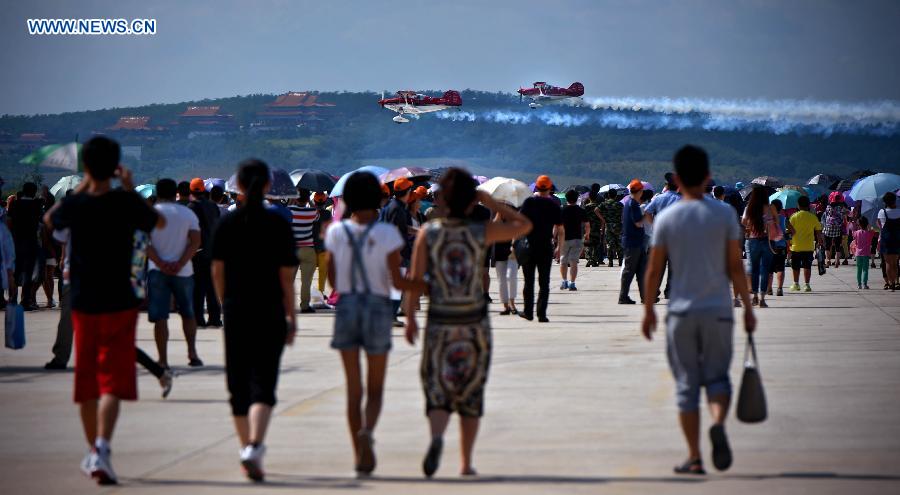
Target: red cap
{"points": [[197, 185], [420, 192], [320, 197], [635, 186], [402, 184], [543, 183], [836, 197], [385, 190]]}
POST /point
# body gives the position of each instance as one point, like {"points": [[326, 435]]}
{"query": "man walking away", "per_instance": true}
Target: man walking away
{"points": [[577, 230], [104, 224], [24, 215], [660, 202], [396, 212], [208, 215], [546, 218], [702, 238], [805, 230], [633, 243], [170, 273], [303, 218]]}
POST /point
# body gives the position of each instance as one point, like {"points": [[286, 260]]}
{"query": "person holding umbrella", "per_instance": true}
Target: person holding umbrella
{"points": [[889, 223]]}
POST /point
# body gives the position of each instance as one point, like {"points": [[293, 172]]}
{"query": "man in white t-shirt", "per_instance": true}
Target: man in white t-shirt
{"points": [[170, 271]]}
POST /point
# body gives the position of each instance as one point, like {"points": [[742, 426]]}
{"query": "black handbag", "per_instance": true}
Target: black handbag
{"points": [[522, 248], [820, 261], [751, 404]]}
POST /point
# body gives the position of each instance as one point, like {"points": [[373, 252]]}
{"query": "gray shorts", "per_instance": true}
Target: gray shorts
{"points": [[699, 347], [365, 321], [571, 252]]}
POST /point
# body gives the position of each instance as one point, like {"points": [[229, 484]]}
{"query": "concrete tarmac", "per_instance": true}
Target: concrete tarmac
{"points": [[582, 404]]}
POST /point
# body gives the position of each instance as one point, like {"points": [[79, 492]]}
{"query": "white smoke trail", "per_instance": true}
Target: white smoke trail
{"points": [[771, 116]]}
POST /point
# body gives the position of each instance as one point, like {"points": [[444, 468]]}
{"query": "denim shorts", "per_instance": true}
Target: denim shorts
{"points": [[161, 289], [363, 320], [699, 348]]}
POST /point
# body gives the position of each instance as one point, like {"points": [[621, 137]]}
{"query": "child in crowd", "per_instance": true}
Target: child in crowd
{"points": [[862, 244]]}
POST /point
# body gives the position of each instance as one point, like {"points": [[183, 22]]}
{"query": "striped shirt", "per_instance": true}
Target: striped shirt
{"points": [[302, 219]]}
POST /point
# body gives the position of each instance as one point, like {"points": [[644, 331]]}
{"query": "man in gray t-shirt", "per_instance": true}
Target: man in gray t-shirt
{"points": [[702, 239]]}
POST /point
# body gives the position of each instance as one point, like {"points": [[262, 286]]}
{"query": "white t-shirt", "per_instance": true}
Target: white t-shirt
{"points": [[383, 239], [171, 241], [888, 213]]}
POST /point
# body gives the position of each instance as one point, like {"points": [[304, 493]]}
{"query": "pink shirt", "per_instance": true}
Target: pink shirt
{"points": [[863, 242]]}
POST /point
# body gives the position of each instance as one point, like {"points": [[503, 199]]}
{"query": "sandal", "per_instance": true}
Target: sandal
{"points": [[505, 312], [690, 466], [367, 461], [721, 452]]}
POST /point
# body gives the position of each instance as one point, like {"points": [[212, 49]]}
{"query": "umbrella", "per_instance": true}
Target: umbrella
{"points": [[213, 182], [313, 180], [788, 197], [282, 186], [146, 190], [480, 179], [859, 174], [338, 189], [795, 188], [509, 191], [64, 184], [823, 180], [739, 185], [745, 192], [408, 172], [606, 188], [56, 156], [231, 186], [580, 188], [873, 187], [844, 185], [767, 181], [648, 186]]}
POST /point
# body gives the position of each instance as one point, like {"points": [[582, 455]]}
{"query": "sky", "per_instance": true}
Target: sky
{"points": [[821, 50]]}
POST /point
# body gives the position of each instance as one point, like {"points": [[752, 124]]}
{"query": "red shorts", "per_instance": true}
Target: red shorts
{"points": [[105, 355]]}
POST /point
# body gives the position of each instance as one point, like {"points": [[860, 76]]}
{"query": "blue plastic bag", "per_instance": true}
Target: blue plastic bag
{"points": [[15, 326]]}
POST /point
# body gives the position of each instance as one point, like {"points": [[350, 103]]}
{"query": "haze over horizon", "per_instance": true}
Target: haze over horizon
{"points": [[820, 50]]}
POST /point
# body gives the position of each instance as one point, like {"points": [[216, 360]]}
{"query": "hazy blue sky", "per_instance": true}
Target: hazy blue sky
{"points": [[819, 49]]}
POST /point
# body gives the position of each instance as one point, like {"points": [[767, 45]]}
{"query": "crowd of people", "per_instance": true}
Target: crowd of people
{"points": [[383, 248]]}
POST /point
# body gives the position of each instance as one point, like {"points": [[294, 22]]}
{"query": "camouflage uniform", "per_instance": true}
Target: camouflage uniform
{"points": [[611, 209], [594, 248]]}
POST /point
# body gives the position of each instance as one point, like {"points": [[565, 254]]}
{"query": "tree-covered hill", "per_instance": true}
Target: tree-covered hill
{"points": [[357, 131]]}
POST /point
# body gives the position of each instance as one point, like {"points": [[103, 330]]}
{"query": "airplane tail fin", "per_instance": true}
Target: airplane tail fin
{"points": [[452, 98], [576, 89]]}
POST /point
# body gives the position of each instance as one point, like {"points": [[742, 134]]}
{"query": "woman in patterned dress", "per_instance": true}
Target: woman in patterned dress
{"points": [[457, 342]]}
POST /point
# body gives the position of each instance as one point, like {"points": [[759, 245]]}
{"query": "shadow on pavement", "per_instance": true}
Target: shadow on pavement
{"points": [[290, 481]]}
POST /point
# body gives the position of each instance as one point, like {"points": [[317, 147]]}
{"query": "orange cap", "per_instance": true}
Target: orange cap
{"points": [[420, 192], [402, 184], [385, 190], [635, 186], [197, 185], [543, 183], [320, 197]]}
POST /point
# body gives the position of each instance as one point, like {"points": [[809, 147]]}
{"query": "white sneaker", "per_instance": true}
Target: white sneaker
{"points": [[86, 463], [251, 460], [101, 468]]}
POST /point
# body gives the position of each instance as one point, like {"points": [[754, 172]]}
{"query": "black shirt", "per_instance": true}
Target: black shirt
{"points": [[108, 248], [544, 213], [397, 213], [573, 218], [24, 216], [254, 243], [208, 215]]}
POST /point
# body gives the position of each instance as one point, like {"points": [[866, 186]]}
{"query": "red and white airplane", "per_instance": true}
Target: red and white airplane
{"points": [[543, 93], [412, 103]]}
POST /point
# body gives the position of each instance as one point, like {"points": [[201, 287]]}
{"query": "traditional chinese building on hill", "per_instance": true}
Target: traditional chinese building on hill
{"points": [[208, 121], [135, 127], [293, 109]]}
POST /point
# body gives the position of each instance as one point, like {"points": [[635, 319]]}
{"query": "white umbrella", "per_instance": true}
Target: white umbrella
{"points": [[64, 184], [509, 191], [615, 187]]}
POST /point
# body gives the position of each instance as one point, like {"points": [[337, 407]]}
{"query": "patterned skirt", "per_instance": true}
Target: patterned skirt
{"points": [[455, 363]]}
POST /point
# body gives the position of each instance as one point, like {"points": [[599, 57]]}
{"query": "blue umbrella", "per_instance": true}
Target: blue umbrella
{"points": [[146, 190], [338, 189], [788, 197], [869, 191]]}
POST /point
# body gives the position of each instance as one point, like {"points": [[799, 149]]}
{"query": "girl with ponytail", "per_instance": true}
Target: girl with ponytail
{"points": [[253, 274]]}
